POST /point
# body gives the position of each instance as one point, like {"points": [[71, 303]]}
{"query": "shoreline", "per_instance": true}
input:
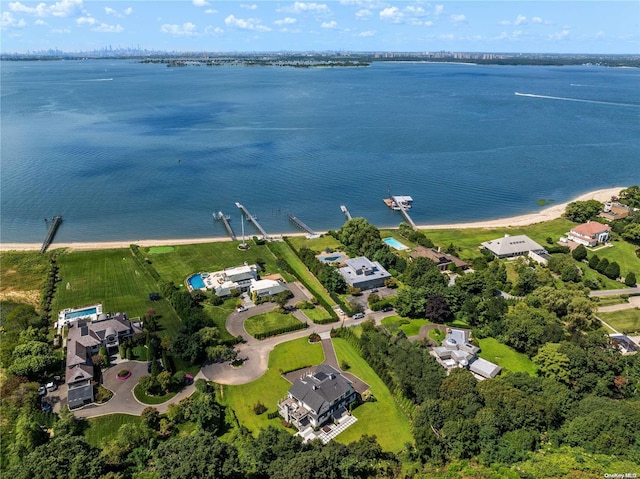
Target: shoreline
{"points": [[547, 214]]}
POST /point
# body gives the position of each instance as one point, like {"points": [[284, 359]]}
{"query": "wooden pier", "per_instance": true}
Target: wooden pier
{"points": [[296, 221], [344, 209], [55, 223], [253, 220], [225, 221], [405, 213]]}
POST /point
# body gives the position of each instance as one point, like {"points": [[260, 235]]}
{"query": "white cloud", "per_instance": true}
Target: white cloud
{"points": [[536, 20], [64, 8], [246, 24], [520, 20], [249, 7], [104, 28], [211, 30], [392, 14], [88, 20], [187, 29], [438, 9], [61, 30], [111, 11], [200, 3], [210, 11], [410, 15], [128, 11], [458, 19], [286, 21], [332, 25], [8, 20], [561, 35], [303, 7], [364, 13], [368, 33], [40, 22]]}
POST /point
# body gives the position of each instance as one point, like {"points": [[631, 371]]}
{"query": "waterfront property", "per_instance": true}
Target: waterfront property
{"points": [[590, 234], [614, 211], [262, 288], [442, 260], [395, 244], [457, 351], [317, 398], [364, 274], [68, 315], [83, 342], [225, 282], [512, 246]]}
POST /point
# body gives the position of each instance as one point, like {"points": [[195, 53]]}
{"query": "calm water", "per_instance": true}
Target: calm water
{"points": [[128, 151]]}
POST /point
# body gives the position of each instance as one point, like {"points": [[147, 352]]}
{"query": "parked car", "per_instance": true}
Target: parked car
{"points": [[46, 407], [51, 386], [374, 290], [386, 309], [358, 316], [42, 391], [241, 309]]}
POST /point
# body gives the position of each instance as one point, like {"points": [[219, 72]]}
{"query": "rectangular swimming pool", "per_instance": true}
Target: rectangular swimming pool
{"points": [[394, 243], [80, 313], [196, 282]]}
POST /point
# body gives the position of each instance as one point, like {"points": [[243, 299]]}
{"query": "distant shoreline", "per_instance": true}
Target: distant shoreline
{"points": [[547, 214]]}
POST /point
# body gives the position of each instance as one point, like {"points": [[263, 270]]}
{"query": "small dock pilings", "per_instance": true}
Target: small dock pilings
{"points": [[55, 223], [220, 216], [252, 219], [301, 225], [405, 213]]}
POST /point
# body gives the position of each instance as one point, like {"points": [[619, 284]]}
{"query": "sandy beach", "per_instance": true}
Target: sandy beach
{"points": [[546, 214]]}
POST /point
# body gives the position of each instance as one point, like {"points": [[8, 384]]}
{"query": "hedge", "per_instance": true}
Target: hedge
{"points": [[143, 263], [275, 332]]}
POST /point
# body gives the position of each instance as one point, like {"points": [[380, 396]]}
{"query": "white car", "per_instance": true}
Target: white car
{"points": [[358, 316], [51, 386], [241, 309]]}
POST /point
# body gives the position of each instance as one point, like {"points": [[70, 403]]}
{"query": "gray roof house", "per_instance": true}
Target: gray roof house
{"points": [[317, 398], [510, 246], [85, 340], [364, 274], [266, 287], [457, 351]]}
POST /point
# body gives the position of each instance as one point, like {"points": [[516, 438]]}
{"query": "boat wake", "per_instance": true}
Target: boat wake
{"points": [[580, 100]]}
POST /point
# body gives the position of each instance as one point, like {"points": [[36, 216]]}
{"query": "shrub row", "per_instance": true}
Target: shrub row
{"points": [[273, 415], [346, 307], [143, 262], [325, 320], [275, 332]]}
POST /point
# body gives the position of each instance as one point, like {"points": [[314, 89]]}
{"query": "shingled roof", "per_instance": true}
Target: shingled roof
{"points": [[322, 388]]}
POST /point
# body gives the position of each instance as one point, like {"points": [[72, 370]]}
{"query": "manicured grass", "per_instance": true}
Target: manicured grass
{"points": [[437, 335], [316, 314], [141, 353], [626, 320], [186, 260], [284, 251], [23, 275], [103, 429], [161, 249], [315, 244], [502, 355], [151, 400], [271, 387], [382, 418], [111, 277], [411, 327], [622, 253], [267, 322], [219, 316], [610, 301]]}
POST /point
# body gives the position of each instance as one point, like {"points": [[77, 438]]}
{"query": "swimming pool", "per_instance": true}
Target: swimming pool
{"points": [[331, 259], [80, 313], [196, 282], [394, 243]]}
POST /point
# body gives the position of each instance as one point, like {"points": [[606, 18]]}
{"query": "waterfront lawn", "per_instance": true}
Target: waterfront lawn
{"points": [[411, 327], [103, 429], [271, 387], [382, 418], [284, 251], [23, 275], [625, 321], [315, 244], [185, 260], [509, 359], [111, 277], [268, 323], [622, 253]]}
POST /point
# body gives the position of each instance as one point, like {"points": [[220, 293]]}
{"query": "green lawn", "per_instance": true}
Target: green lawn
{"points": [[271, 387], [113, 278], [267, 322], [411, 327], [186, 260], [315, 244], [316, 314], [284, 251], [437, 335], [219, 316], [142, 397], [622, 253], [382, 418], [104, 429], [502, 355], [610, 301], [626, 320], [23, 275]]}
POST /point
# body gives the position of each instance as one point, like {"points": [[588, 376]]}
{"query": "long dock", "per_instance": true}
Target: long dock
{"points": [[298, 222], [405, 213], [253, 220], [344, 209], [225, 222], [55, 222]]}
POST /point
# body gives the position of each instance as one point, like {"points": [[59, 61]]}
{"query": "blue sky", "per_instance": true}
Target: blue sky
{"points": [[351, 25]]}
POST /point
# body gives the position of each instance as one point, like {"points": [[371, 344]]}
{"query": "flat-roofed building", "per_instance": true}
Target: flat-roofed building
{"points": [[364, 274]]}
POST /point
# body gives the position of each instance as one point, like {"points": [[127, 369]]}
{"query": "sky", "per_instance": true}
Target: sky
{"points": [[542, 26]]}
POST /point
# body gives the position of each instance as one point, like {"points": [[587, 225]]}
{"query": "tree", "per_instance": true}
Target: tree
{"points": [[526, 328], [151, 418], [165, 381], [32, 359], [612, 271], [602, 265], [594, 261], [632, 233], [552, 363], [630, 280], [437, 309], [582, 211], [579, 253], [631, 196]]}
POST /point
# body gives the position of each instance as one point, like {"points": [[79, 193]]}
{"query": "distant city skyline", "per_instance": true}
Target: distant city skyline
{"points": [[581, 27]]}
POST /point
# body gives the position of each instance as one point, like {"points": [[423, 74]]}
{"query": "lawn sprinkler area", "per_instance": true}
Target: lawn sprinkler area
{"points": [[395, 244]]}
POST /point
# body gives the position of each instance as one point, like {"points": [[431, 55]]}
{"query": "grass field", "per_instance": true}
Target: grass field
{"points": [[161, 249], [622, 253], [506, 357], [113, 278], [610, 300], [103, 429], [315, 244], [142, 397], [219, 316], [284, 251], [23, 275], [411, 327], [316, 314], [271, 387], [266, 323], [382, 418], [625, 321]]}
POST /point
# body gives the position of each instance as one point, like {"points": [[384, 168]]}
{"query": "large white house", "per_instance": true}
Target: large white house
{"points": [[590, 234], [364, 274]]}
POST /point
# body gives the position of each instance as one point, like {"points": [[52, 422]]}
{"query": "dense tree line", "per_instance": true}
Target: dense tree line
{"points": [[327, 274]]}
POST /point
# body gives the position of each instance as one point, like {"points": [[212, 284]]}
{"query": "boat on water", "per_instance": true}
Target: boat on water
{"points": [[399, 202]]}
